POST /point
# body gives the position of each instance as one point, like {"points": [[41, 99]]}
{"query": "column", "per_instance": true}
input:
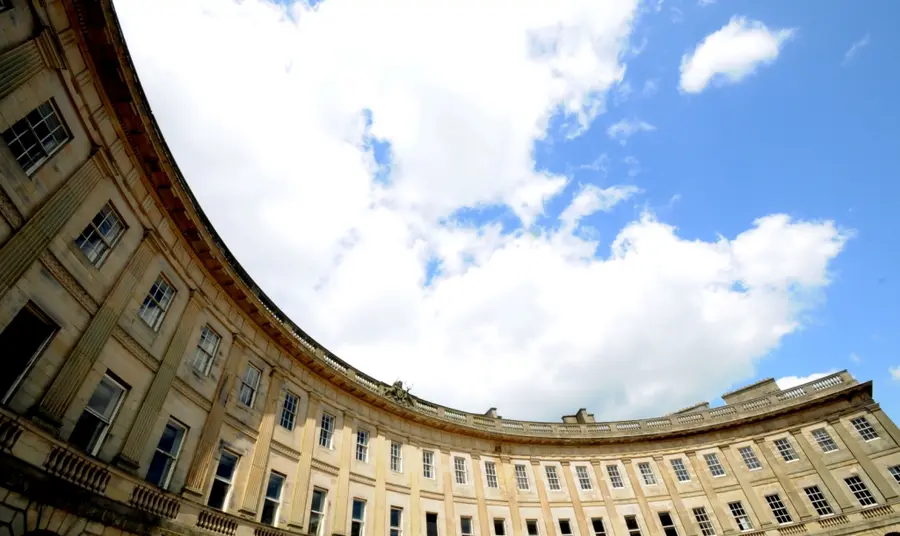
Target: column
{"points": [[449, 507], [381, 457], [483, 521], [26, 60], [207, 445], [24, 247], [574, 497], [686, 522], [639, 495], [342, 497], [261, 449], [414, 457], [875, 476], [888, 425], [616, 523], [815, 457], [785, 480], [75, 369], [752, 498], [139, 435], [307, 446], [710, 492], [509, 478]]}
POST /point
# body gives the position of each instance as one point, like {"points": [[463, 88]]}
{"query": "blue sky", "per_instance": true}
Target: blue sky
{"points": [[578, 204]]}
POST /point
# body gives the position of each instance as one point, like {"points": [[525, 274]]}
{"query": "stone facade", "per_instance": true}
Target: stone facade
{"points": [[151, 387]]}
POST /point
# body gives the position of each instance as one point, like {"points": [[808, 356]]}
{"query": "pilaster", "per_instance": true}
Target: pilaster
{"points": [[573, 496], [75, 369], [449, 507], [139, 435], [618, 525], [710, 492], [639, 495], [483, 523], [19, 64], [307, 446], [381, 456], [784, 479], [24, 247], [207, 445], [747, 488], [875, 476], [815, 457], [414, 457], [690, 528], [342, 497], [509, 478], [260, 459]]}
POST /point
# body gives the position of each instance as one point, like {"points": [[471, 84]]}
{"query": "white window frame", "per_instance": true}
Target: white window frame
{"points": [[358, 521], [98, 438], [326, 430], [818, 501], [249, 385], [669, 525], [289, 407], [162, 284], [502, 522], [552, 478], [584, 478], [229, 482], [522, 482], [779, 511], [703, 521], [741, 519], [602, 530], [396, 457], [715, 466], [107, 243], [636, 531], [205, 353], [647, 473], [321, 514], [276, 500], [680, 469], [532, 523], [362, 445], [173, 457], [462, 528], [47, 155], [894, 471], [490, 474], [825, 441], [786, 449], [860, 490], [460, 471], [428, 464], [395, 530], [568, 523], [751, 461], [615, 478], [864, 428]]}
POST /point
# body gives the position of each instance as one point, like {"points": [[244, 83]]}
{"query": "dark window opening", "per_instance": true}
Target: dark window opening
{"points": [[22, 342]]}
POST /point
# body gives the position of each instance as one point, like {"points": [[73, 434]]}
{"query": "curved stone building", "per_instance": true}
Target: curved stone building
{"points": [[148, 386]]}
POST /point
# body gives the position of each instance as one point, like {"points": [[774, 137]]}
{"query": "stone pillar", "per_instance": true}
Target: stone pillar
{"points": [[875, 476], [19, 64], [449, 507], [784, 479], [483, 521], [616, 523], [710, 492], [509, 477], [575, 498], [889, 427], [686, 522], [342, 497], [639, 495], [24, 247], [260, 460], [756, 511], [75, 369], [381, 457], [152, 404], [307, 446], [414, 457], [208, 443], [815, 457]]}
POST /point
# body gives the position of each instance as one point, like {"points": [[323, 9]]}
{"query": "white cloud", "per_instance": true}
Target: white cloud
{"points": [[731, 54], [650, 88], [270, 131], [626, 128], [793, 381], [854, 48], [895, 373], [593, 199], [704, 3], [855, 357]]}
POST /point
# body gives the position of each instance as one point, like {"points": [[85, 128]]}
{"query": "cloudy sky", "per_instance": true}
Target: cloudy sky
{"points": [[545, 205]]}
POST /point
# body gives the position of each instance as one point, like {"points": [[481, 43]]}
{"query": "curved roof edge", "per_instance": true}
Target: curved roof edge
{"points": [[101, 36]]}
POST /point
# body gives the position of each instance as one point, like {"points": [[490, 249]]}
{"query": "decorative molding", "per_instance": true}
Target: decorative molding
{"points": [[192, 394], [9, 211], [324, 467], [136, 348], [68, 281], [240, 426], [285, 450], [363, 479], [399, 488]]}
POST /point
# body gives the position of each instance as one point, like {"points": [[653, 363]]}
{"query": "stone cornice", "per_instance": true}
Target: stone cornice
{"points": [[100, 37]]}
